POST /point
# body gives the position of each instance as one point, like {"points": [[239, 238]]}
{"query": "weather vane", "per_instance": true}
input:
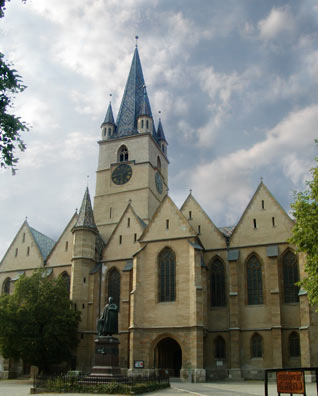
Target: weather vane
{"points": [[159, 113], [110, 95], [136, 37]]}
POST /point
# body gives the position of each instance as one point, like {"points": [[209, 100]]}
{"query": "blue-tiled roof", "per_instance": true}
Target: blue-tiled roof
{"points": [[86, 215], [44, 243], [132, 100], [160, 133], [109, 118], [145, 109]]}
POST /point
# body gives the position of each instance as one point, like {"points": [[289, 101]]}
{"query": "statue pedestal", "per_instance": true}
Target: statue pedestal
{"points": [[106, 363]]}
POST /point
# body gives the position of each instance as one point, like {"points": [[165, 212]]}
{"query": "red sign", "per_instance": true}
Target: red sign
{"points": [[290, 382]]}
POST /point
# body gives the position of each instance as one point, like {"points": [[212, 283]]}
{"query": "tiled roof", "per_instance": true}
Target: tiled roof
{"points": [[109, 118], [86, 215], [160, 133], [132, 100], [44, 243], [145, 109]]}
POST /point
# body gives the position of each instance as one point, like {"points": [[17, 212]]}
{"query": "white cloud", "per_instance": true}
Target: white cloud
{"points": [[279, 20]]}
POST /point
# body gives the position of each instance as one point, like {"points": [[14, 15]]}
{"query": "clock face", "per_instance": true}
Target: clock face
{"points": [[121, 174], [159, 183]]}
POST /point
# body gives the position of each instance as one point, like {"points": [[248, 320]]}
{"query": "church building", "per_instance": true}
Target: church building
{"points": [[203, 302]]}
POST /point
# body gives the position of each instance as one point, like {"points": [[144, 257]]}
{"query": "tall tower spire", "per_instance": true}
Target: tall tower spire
{"points": [[133, 99]]}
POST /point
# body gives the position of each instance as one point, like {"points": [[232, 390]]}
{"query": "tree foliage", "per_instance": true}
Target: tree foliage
{"points": [[305, 232], [11, 126], [38, 323]]}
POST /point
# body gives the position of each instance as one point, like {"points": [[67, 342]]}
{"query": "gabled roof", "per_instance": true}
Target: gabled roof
{"points": [[132, 100], [160, 133], [187, 230], [44, 243], [86, 216], [109, 118]]}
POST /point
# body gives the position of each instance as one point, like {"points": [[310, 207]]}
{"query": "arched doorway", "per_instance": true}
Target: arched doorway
{"points": [[168, 356]]}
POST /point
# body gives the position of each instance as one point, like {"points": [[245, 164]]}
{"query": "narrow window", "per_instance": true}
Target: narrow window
{"points": [[273, 221], [84, 280], [82, 336], [28, 251], [190, 215], [167, 224], [199, 229], [123, 154], [263, 204], [66, 246], [167, 275], [23, 238], [163, 148], [83, 306], [128, 222], [120, 239], [158, 163], [110, 213], [254, 222], [254, 281], [290, 277], [105, 132], [142, 124], [16, 252], [147, 124], [6, 286], [109, 131], [217, 286], [113, 286], [135, 238], [75, 307], [294, 344], [219, 348], [256, 346], [67, 280]]}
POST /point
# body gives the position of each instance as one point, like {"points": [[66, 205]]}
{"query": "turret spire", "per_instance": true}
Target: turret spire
{"points": [[109, 118], [86, 216]]}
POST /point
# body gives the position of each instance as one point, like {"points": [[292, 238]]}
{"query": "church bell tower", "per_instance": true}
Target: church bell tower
{"points": [[133, 162]]}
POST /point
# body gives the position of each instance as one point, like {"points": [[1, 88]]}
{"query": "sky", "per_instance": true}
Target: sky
{"points": [[236, 83]]}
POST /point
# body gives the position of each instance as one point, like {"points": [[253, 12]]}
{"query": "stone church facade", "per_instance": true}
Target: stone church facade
{"points": [[201, 301]]}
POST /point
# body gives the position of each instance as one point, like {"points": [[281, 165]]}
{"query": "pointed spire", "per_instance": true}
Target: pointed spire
{"points": [[109, 118], [86, 216], [145, 109], [132, 100], [160, 133]]}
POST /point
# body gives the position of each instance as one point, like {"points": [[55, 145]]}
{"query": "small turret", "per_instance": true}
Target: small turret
{"points": [[108, 126], [161, 138], [144, 119]]}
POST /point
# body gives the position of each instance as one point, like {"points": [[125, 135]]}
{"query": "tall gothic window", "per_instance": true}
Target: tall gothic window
{"points": [[254, 281], [167, 275], [114, 286], [123, 154], [67, 280], [256, 346], [219, 348], [158, 163], [294, 344], [217, 286], [6, 286], [290, 277]]}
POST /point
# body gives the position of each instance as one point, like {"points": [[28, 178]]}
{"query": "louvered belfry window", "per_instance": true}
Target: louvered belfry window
{"points": [[290, 277], [256, 346], [294, 345], [217, 286], [254, 281], [114, 286], [167, 275]]}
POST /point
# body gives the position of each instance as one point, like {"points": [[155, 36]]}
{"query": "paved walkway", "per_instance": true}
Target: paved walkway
{"points": [[247, 388]]}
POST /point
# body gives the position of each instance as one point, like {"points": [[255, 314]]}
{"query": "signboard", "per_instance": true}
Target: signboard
{"points": [[139, 364], [290, 382]]}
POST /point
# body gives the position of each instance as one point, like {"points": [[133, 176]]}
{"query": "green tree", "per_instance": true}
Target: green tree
{"points": [[305, 233], [38, 323], [10, 125]]}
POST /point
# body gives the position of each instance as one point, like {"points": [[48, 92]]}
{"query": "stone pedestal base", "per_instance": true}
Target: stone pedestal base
{"points": [[235, 374], [193, 375], [106, 357]]}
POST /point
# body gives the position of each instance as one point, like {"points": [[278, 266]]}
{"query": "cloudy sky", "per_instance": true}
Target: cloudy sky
{"points": [[236, 82]]}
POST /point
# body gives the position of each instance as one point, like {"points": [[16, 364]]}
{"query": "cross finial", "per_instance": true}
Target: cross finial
{"points": [[190, 190], [76, 210], [261, 179], [26, 218], [110, 95], [159, 112], [136, 37], [87, 179]]}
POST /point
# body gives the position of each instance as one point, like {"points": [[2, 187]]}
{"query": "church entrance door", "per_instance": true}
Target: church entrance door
{"points": [[168, 356]]}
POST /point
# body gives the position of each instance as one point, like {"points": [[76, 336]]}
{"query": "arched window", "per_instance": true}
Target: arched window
{"points": [[256, 346], [158, 163], [123, 154], [254, 281], [219, 348], [67, 279], [217, 286], [294, 344], [6, 286], [113, 288], [167, 275], [290, 277]]}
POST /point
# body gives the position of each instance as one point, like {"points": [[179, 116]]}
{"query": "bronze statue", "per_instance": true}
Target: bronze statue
{"points": [[108, 322]]}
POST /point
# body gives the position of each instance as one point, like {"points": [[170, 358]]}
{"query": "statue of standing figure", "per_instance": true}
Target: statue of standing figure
{"points": [[108, 322]]}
